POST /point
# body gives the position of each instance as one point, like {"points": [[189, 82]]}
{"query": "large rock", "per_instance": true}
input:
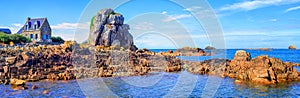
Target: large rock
{"points": [[242, 55], [17, 82], [189, 51], [262, 69], [107, 29], [292, 47], [10, 60], [210, 48]]}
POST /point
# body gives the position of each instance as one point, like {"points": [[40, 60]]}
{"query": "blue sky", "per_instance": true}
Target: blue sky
{"points": [[245, 23]]}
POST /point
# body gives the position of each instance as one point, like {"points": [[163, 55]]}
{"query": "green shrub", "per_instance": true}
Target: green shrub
{"points": [[57, 39], [92, 21], [15, 38]]}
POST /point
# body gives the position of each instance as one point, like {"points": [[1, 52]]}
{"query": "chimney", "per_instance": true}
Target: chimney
{"points": [[28, 18]]}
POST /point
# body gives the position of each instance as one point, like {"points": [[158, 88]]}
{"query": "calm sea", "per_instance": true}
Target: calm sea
{"points": [[182, 84]]}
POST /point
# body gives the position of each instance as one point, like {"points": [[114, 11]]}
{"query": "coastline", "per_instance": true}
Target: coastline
{"points": [[67, 71]]}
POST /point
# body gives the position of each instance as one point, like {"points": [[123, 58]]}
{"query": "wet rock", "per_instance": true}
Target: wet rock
{"points": [[17, 82], [173, 64], [14, 87], [46, 92], [10, 60], [33, 87]]}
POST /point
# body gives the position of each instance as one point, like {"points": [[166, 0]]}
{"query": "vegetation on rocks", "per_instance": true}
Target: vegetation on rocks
{"points": [[15, 38], [57, 39]]}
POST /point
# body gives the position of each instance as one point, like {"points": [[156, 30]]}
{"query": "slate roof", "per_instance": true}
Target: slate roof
{"points": [[20, 31], [5, 30], [32, 22]]}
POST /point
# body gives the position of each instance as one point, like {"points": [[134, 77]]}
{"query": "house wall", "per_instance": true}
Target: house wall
{"points": [[46, 30], [34, 32]]}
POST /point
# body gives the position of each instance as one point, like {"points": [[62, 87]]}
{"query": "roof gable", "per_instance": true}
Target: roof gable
{"points": [[31, 22]]}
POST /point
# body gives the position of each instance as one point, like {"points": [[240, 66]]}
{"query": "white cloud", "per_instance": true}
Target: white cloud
{"points": [[68, 31], [292, 8], [145, 26], [71, 26], [273, 20], [251, 5], [176, 17], [164, 12], [245, 33], [192, 8], [196, 10]]}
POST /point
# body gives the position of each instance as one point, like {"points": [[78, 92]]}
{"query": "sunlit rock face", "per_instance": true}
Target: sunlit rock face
{"points": [[107, 29]]}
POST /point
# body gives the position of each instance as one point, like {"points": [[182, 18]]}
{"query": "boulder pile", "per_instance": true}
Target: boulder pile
{"points": [[262, 69]]}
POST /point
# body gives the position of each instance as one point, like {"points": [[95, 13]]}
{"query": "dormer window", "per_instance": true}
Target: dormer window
{"points": [[35, 26], [26, 27], [38, 24], [29, 25]]}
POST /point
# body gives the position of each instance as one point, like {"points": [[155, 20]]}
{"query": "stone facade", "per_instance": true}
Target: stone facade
{"points": [[37, 29]]}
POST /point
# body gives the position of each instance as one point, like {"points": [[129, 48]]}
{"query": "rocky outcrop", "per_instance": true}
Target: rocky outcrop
{"points": [[210, 48], [292, 47], [37, 63], [17, 82], [242, 55], [62, 62], [210, 67], [107, 29], [188, 51], [262, 69]]}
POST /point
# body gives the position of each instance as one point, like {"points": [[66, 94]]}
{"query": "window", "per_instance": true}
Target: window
{"points": [[29, 25], [38, 24], [36, 36], [26, 27], [31, 36]]}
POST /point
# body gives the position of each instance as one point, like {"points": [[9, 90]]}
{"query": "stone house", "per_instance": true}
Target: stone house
{"points": [[37, 29]]}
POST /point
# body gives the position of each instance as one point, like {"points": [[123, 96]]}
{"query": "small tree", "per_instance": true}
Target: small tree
{"points": [[57, 39]]}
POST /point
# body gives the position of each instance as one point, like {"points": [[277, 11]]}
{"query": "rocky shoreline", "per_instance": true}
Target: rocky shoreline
{"points": [[65, 62]]}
